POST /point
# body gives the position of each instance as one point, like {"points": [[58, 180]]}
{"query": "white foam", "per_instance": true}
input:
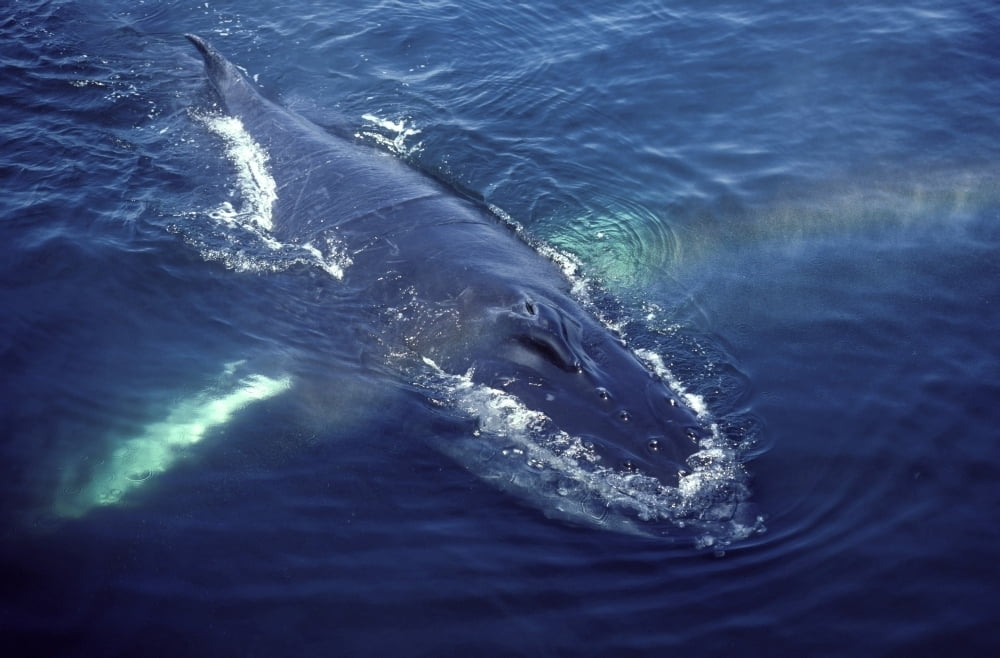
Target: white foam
{"points": [[257, 188], [333, 261], [252, 245], [568, 264], [655, 363], [391, 135], [521, 450]]}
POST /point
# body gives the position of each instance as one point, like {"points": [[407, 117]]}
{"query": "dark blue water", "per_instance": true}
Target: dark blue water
{"points": [[798, 205]]}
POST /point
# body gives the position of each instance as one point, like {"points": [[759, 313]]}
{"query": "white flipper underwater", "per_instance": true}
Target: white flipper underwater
{"points": [[163, 444]]}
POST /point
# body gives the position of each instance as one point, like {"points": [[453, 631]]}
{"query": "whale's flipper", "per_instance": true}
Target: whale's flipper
{"points": [[164, 442]]}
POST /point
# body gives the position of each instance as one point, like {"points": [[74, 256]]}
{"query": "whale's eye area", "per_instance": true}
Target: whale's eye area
{"points": [[549, 332]]}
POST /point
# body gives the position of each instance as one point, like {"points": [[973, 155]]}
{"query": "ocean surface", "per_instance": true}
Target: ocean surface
{"points": [[795, 206]]}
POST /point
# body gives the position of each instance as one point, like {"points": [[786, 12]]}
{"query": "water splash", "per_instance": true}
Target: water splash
{"points": [[521, 451], [247, 242], [393, 136]]}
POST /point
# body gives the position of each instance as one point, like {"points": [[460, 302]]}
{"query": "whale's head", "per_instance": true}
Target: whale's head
{"points": [[571, 421], [559, 361]]}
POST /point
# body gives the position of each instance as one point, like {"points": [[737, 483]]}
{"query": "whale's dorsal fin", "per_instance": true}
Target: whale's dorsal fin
{"points": [[228, 80]]}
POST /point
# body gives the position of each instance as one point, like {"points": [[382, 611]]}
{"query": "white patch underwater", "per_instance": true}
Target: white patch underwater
{"points": [[163, 443]]}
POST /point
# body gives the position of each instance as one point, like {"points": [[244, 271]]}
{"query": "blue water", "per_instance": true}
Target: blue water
{"points": [[799, 203]]}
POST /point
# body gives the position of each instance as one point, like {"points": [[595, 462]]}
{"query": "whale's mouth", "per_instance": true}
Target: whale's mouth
{"points": [[520, 450]]}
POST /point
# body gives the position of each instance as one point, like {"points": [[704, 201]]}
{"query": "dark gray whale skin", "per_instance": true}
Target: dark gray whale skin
{"points": [[464, 289]]}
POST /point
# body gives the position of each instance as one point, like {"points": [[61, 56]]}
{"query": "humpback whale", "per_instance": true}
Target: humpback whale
{"points": [[478, 321]]}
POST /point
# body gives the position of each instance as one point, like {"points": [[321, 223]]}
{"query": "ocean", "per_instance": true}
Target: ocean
{"points": [[791, 211]]}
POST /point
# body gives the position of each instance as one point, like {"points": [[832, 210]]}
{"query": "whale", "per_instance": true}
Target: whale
{"points": [[482, 324]]}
